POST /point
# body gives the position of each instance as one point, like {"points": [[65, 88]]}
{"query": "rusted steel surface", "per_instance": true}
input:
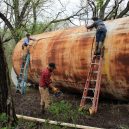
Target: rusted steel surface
{"points": [[70, 49]]}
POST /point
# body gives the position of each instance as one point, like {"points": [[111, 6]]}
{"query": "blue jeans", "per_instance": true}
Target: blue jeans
{"points": [[100, 35]]}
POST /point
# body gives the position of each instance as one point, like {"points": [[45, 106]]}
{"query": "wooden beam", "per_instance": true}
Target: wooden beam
{"points": [[55, 122]]}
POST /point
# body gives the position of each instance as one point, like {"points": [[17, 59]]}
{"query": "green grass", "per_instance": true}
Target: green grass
{"points": [[36, 125], [4, 122], [124, 127], [64, 111], [3, 118]]}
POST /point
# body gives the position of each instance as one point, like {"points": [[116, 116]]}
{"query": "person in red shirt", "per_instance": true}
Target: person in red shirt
{"points": [[44, 83]]}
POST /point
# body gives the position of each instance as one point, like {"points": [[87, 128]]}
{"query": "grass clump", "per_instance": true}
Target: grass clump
{"points": [[4, 122], [64, 111], [3, 118], [124, 127]]}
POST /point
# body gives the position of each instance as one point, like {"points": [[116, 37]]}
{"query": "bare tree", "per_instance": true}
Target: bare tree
{"points": [[24, 12], [21, 14], [17, 16], [107, 9]]}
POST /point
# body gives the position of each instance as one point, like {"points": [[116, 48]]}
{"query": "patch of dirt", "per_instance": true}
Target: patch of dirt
{"points": [[110, 115]]}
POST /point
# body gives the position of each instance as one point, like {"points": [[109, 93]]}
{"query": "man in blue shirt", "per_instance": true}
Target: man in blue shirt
{"points": [[27, 40], [26, 44], [100, 33]]}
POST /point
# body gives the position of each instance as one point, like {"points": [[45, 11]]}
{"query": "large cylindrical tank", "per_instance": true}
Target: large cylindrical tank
{"points": [[70, 50]]}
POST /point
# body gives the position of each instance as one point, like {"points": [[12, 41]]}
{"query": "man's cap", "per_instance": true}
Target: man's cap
{"points": [[52, 65]]}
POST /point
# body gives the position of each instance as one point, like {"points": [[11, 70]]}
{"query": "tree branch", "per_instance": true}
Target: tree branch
{"points": [[8, 4], [124, 11], [7, 22], [92, 8], [7, 39], [61, 3], [102, 10], [24, 9], [73, 23], [16, 11], [64, 19]]}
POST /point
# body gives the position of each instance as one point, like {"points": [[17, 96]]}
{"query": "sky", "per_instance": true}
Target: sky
{"points": [[69, 6], [73, 6]]}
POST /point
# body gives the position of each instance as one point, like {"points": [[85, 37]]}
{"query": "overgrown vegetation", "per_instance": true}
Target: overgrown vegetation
{"points": [[64, 111], [4, 121], [22, 124], [124, 127]]}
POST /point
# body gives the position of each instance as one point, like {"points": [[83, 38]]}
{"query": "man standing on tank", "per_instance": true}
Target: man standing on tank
{"points": [[100, 33]]}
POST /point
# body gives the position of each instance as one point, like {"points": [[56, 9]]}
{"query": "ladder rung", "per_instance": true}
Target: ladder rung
{"points": [[95, 63], [94, 71], [88, 98], [93, 80], [96, 56], [90, 89]]}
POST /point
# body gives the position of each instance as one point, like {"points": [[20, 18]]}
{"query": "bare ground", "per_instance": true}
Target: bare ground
{"points": [[110, 115]]}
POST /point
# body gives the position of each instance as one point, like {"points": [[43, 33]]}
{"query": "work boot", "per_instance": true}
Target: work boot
{"points": [[99, 48], [102, 51], [96, 49], [43, 108]]}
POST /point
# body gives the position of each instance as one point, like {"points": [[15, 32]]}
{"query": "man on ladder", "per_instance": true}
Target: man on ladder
{"points": [[100, 33], [92, 86], [26, 44], [22, 78]]}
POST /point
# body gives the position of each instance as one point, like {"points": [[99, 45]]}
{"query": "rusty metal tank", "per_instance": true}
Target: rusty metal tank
{"points": [[70, 49]]}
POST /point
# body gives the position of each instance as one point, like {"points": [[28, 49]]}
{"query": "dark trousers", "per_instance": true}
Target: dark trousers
{"points": [[100, 35]]}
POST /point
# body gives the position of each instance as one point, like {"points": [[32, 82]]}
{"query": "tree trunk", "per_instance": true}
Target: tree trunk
{"points": [[6, 102], [34, 17]]}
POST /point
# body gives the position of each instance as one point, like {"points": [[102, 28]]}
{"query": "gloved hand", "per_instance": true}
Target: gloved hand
{"points": [[55, 90], [58, 94]]}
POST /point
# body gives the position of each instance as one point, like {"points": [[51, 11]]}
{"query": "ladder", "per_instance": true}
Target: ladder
{"points": [[92, 86], [22, 79]]}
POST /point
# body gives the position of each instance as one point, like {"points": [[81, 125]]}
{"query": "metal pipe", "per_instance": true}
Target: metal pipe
{"points": [[55, 122]]}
